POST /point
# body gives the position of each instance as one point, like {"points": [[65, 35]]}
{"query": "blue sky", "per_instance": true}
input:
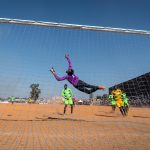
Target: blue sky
{"points": [[116, 13], [28, 52]]}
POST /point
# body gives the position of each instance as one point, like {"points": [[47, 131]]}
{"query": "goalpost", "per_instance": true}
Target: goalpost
{"points": [[100, 56], [73, 26]]}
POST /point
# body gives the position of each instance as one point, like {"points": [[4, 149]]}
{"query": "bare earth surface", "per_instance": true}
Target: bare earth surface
{"points": [[43, 127]]}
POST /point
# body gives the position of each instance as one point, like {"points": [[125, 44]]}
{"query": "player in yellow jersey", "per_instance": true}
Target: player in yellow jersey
{"points": [[117, 94]]}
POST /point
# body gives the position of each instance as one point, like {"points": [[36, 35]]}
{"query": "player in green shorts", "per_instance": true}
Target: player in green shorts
{"points": [[12, 99], [67, 94], [113, 102], [125, 102]]}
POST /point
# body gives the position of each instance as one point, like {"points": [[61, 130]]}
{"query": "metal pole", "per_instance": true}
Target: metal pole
{"points": [[73, 26]]}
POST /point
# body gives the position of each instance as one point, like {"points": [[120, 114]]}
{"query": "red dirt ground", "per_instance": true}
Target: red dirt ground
{"points": [[43, 127]]}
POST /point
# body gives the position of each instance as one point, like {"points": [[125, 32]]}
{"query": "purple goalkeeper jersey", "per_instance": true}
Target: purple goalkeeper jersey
{"points": [[73, 79]]}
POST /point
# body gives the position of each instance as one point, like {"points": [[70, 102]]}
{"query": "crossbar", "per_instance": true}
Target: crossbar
{"points": [[73, 26]]}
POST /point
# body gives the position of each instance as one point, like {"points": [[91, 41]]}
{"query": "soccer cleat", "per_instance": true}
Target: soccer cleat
{"points": [[52, 70]]}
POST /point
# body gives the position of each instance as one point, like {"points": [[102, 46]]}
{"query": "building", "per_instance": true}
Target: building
{"points": [[136, 87]]}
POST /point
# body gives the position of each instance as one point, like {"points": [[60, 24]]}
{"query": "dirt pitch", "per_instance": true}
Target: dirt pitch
{"points": [[43, 127]]}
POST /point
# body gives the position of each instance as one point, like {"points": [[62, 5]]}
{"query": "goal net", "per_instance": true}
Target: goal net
{"points": [[112, 57], [100, 56]]}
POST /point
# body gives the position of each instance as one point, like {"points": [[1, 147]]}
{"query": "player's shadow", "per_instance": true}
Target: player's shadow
{"points": [[17, 120], [100, 115], [62, 119], [47, 119], [140, 116], [101, 111]]}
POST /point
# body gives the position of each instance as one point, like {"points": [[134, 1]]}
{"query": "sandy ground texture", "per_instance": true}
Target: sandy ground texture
{"points": [[44, 127]]}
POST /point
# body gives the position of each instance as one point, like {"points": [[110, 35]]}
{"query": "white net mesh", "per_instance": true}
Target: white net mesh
{"points": [[99, 58]]}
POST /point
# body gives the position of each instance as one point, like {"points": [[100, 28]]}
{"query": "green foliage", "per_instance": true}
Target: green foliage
{"points": [[35, 91]]}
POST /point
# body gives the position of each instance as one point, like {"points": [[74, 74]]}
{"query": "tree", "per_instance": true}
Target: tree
{"points": [[35, 92]]}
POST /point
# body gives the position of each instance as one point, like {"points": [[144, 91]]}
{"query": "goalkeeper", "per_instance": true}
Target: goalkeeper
{"points": [[75, 81]]}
